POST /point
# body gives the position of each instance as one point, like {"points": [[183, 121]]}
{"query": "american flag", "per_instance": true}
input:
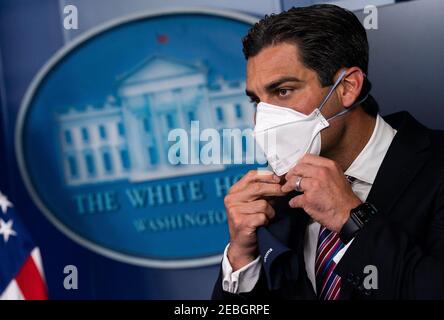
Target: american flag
{"points": [[21, 272]]}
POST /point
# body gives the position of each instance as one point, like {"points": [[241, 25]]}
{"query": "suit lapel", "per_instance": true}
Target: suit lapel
{"points": [[402, 162], [404, 159]]}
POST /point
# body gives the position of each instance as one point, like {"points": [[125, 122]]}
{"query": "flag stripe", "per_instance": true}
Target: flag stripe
{"points": [[12, 292], [30, 281], [21, 269], [38, 261]]}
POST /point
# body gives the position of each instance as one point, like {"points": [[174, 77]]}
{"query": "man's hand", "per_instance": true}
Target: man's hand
{"points": [[248, 208], [327, 195]]}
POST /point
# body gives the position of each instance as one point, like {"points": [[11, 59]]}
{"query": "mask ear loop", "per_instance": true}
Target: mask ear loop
{"points": [[341, 77], [354, 105]]}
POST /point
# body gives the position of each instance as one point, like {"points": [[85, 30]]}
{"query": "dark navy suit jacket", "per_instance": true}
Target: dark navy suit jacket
{"points": [[405, 241]]}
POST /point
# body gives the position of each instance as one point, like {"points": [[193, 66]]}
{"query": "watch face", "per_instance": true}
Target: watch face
{"points": [[358, 217], [364, 212]]}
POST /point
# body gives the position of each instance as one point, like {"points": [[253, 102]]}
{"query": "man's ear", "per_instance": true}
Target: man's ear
{"points": [[351, 86]]}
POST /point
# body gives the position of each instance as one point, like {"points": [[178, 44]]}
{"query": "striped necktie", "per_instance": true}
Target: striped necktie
{"points": [[328, 283]]}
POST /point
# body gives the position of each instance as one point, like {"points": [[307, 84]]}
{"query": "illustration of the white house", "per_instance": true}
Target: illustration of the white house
{"points": [[127, 137]]}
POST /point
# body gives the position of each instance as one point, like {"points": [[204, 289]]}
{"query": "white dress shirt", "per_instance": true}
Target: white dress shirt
{"points": [[364, 169]]}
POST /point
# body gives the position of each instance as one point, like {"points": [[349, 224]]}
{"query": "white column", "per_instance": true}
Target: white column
{"points": [[134, 142], [157, 132], [95, 144], [80, 159]]}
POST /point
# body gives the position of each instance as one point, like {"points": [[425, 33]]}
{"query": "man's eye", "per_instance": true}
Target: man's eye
{"points": [[284, 92]]}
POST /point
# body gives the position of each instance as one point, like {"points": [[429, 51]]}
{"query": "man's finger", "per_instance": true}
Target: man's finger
{"points": [[302, 170], [258, 190], [264, 176], [297, 202], [304, 185], [254, 207], [252, 176], [290, 185], [257, 220]]}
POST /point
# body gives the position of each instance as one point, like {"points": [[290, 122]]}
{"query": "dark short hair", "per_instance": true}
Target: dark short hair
{"points": [[328, 38]]}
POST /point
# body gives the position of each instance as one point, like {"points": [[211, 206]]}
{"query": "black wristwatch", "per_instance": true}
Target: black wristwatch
{"points": [[359, 217]]}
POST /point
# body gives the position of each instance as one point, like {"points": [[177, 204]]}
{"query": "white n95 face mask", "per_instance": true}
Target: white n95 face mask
{"points": [[285, 135]]}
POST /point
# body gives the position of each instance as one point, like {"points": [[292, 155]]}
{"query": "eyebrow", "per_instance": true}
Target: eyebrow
{"points": [[276, 83], [273, 85]]}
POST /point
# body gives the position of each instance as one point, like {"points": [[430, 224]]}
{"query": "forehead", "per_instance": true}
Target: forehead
{"points": [[273, 61]]}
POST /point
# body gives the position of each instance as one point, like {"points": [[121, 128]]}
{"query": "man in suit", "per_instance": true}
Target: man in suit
{"points": [[360, 218]]}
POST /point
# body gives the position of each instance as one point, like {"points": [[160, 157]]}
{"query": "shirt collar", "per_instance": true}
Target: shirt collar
{"points": [[367, 163]]}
